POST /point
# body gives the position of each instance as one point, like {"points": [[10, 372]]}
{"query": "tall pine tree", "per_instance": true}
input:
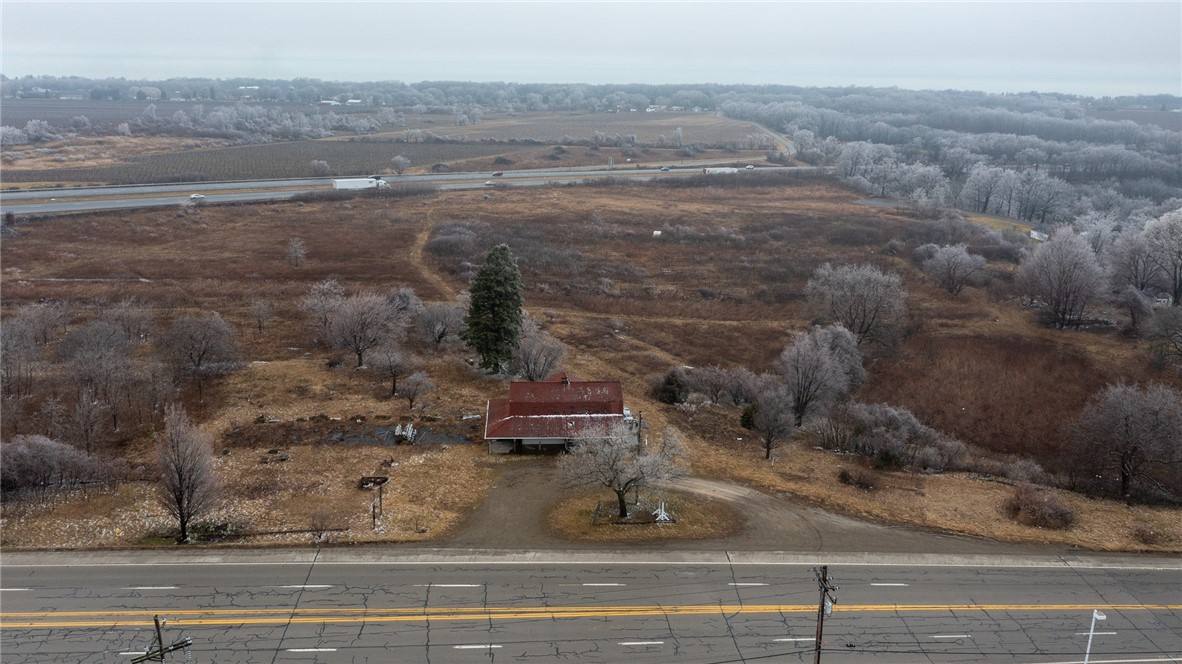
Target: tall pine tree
{"points": [[494, 313]]}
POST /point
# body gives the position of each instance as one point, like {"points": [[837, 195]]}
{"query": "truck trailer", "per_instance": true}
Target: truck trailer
{"points": [[360, 183], [720, 171]]}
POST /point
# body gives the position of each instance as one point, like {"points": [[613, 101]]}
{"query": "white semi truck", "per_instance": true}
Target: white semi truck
{"points": [[720, 171], [360, 183]]}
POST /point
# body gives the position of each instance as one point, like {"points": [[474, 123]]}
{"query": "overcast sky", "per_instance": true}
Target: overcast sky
{"points": [[1092, 48]]}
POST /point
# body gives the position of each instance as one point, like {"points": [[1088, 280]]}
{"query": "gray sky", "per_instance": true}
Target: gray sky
{"points": [[1093, 48]]}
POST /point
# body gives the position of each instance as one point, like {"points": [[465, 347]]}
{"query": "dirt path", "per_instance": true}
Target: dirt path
{"points": [[512, 517], [417, 252]]}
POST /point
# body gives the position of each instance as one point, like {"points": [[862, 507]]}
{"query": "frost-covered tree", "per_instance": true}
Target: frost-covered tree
{"points": [[953, 267], [862, 298], [1131, 430], [1164, 236], [1064, 275], [360, 323], [614, 457], [400, 163], [188, 485], [818, 368]]}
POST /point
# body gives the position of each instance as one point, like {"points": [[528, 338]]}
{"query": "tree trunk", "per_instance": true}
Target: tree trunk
{"points": [[360, 359], [622, 502]]}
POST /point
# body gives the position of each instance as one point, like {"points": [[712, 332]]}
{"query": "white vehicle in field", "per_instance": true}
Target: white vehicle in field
{"points": [[360, 183]]}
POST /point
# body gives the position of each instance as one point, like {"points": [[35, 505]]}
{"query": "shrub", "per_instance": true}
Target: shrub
{"points": [[1150, 537], [1032, 506], [858, 478], [673, 388], [502, 161]]}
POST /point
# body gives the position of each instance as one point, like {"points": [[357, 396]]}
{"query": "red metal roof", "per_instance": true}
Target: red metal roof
{"points": [[558, 407]]}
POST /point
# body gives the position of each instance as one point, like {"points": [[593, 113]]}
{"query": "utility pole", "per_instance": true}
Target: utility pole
{"points": [[824, 607], [157, 654]]}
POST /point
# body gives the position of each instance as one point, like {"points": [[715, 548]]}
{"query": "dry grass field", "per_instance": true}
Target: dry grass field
{"points": [[524, 140], [722, 285]]}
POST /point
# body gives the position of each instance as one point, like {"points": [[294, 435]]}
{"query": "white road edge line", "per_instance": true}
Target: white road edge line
{"points": [[809, 638], [448, 585], [311, 650], [746, 584], [604, 584], [890, 585], [641, 643], [16, 590], [151, 588], [1118, 661], [306, 587], [952, 636], [484, 647]]}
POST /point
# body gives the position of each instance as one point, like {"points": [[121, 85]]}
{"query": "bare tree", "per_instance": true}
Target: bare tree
{"points": [[712, 381], [319, 168], [404, 304], [441, 322], [45, 319], [1133, 430], [322, 300], [20, 358], [1065, 276], [85, 423], [188, 484], [400, 163], [389, 361], [742, 386], [297, 252], [820, 367], [865, 300], [261, 310], [201, 345], [954, 267], [537, 356], [614, 458], [132, 317], [360, 323], [773, 419], [1165, 335], [415, 386], [1164, 236], [1129, 262], [1136, 304]]}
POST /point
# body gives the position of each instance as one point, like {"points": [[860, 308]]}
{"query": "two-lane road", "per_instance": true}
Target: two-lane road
{"points": [[343, 605]]}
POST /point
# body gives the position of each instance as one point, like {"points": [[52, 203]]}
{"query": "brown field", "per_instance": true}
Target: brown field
{"points": [[722, 285], [524, 139], [551, 127]]}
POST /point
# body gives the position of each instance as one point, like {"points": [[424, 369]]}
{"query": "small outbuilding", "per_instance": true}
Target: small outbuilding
{"points": [[552, 413]]}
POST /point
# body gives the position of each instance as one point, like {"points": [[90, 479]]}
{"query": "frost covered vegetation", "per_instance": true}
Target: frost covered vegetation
{"points": [[905, 340]]}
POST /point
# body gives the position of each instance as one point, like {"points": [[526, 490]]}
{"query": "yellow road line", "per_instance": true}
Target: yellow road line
{"points": [[47, 619]]}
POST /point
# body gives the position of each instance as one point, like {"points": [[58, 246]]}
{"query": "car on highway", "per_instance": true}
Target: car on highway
{"points": [[749, 167], [196, 197], [498, 174], [489, 183], [664, 169]]}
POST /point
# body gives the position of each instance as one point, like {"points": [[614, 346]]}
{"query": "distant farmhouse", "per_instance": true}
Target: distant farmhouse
{"points": [[552, 413]]}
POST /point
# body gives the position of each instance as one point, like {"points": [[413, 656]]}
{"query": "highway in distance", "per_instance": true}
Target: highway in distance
{"points": [[445, 607]]}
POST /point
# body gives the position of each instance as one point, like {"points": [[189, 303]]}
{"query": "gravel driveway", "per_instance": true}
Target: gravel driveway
{"points": [[512, 518]]}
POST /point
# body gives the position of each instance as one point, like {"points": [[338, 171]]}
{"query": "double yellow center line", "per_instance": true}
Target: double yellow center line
{"points": [[215, 617]]}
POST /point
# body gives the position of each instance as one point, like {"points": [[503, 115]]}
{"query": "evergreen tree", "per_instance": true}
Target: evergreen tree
{"points": [[494, 313]]}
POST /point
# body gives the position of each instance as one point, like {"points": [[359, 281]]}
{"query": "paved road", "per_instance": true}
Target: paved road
{"points": [[92, 199], [378, 605]]}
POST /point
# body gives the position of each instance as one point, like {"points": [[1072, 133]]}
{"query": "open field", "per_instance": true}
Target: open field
{"points": [[723, 284], [522, 141], [704, 127]]}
